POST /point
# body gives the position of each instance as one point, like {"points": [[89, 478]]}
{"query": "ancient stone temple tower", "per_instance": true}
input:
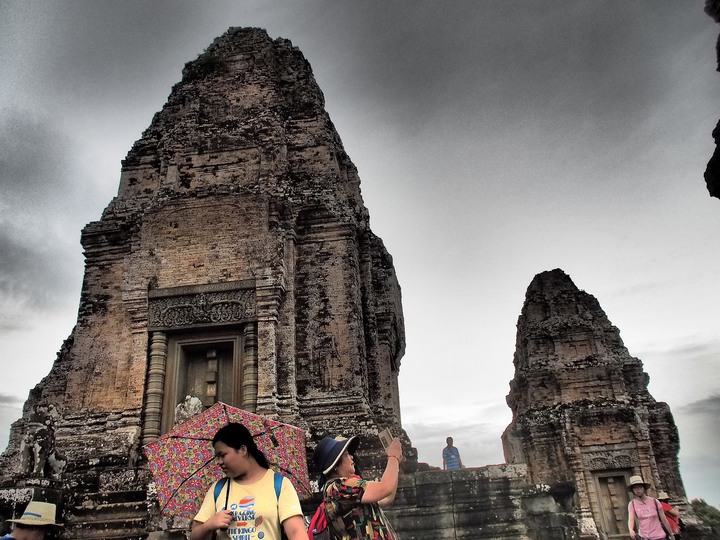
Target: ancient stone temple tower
{"points": [[583, 418], [235, 264]]}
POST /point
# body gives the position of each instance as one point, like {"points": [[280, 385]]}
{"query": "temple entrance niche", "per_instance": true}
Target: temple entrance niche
{"points": [[203, 348], [208, 367], [614, 497]]}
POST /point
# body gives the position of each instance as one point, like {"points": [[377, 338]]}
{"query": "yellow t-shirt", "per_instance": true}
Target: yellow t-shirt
{"points": [[257, 513]]}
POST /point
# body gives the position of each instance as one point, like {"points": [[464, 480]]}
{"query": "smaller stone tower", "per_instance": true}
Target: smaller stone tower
{"points": [[583, 419]]}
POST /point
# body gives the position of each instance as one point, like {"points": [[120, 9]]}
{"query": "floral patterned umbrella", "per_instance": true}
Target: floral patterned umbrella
{"points": [[183, 465]]}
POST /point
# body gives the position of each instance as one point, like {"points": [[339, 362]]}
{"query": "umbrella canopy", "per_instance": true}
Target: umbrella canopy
{"points": [[183, 466]]}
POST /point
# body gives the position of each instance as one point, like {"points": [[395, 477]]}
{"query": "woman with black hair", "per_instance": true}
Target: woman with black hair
{"points": [[353, 505], [248, 505]]}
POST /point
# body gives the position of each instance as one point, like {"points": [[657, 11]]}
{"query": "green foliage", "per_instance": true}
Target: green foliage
{"points": [[709, 515], [204, 65]]}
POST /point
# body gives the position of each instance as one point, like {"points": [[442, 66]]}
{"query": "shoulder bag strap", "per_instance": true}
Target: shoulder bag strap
{"points": [[334, 512], [660, 517]]}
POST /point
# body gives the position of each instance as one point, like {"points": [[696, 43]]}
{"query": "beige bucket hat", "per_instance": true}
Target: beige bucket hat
{"points": [[38, 514], [637, 481]]}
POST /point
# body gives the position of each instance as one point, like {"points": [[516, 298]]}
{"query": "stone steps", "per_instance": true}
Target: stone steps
{"points": [[107, 529], [109, 497], [117, 515], [120, 510]]}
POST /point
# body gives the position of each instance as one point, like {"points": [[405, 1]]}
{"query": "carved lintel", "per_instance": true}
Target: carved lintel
{"points": [[600, 461], [201, 306]]}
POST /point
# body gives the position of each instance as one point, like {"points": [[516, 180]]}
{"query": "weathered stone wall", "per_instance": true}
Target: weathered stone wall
{"points": [[488, 503], [240, 186]]}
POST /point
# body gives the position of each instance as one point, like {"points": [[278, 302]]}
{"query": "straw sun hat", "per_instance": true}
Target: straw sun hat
{"points": [[637, 481], [38, 514]]}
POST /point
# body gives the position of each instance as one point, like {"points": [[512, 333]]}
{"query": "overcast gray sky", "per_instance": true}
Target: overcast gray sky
{"points": [[494, 140]]}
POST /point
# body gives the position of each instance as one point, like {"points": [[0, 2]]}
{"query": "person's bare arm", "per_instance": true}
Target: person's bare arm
{"points": [[631, 523], [383, 492], [294, 528]]}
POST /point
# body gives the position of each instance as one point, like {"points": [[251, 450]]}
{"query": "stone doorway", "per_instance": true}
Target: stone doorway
{"points": [[208, 366], [613, 497], [206, 372]]}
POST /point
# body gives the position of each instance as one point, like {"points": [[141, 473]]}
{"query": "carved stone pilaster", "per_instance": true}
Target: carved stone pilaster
{"points": [[269, 296], [250, 368], [155, 386]]}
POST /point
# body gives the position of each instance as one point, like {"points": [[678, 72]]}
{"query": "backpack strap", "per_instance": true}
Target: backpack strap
{"points": [[277, 481], [333, 510], [658, 507], [219, 487], [318, 523]]}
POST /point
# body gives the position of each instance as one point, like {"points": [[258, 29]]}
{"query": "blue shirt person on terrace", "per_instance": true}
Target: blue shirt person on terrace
{"points": [[451, 456]]}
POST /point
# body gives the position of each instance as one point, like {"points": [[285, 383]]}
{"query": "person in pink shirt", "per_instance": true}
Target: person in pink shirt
{"points": [[647, 513]]}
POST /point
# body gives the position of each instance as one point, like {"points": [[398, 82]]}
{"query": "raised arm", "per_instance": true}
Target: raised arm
{"points": [[383, 492]]}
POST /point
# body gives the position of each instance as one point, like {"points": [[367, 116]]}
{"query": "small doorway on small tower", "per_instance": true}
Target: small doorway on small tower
{"points": [[613, 497]]}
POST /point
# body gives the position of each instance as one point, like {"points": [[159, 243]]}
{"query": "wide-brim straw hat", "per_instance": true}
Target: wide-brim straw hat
{"points": [[38, 514], [328, 452], [637, 481], [662, 496]]}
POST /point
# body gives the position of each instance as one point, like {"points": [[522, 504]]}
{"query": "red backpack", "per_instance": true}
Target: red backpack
{"points": [[319, 527]]}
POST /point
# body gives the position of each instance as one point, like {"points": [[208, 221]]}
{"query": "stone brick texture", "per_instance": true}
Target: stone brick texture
{"points": [[240, 177]]}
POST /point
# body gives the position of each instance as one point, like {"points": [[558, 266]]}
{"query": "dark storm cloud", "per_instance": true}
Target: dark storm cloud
{"points": [[106, 46], [700, 437], [31, 160], [688, 352], [27, 279], [87, 53], [709, 406], [9, 401], [549, 59], [35, 192]]}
